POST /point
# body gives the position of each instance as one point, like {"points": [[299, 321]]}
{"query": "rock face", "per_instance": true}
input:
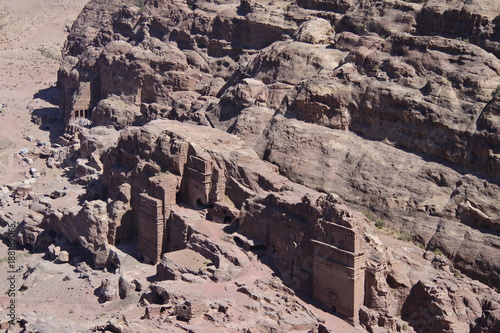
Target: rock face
{"points": [[422, 305], [439, 205], [168, 164], [36, 274], [169, 177], [437, 297], [268, 306], [392, 106]]}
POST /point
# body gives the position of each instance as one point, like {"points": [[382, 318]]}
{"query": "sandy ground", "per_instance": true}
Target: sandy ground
{"points": [[32, 34], [59, 300], [63, 301]]}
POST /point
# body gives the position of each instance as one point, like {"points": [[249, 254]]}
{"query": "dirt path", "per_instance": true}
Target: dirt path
{"points": [[32, 34]]}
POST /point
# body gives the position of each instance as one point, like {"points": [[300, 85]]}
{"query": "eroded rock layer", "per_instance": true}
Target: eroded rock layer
{"points": [[394, 106], [354, 66]]}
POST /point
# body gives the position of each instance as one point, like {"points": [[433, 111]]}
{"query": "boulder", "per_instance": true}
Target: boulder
{"points": [[108, 290], [126, 286], [38, 273], [63, 257], [316, 31]]}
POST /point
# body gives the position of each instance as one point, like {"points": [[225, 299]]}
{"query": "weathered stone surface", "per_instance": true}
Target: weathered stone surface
{"points": [[115, 112], [402, 69], [30, 228], [96, 140], [176, 263], [126, 286], [397, 113], [479, 24], [54, 251], [318, 31], [269, 305], [442, 305], [82, 169], [89, 226], [436, 196], [63, 257], [165, 158], [109, 289], [38, 273]]}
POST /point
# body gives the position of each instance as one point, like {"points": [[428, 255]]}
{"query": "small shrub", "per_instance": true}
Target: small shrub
{"points": [[66, 278], [405, 327], [437, 252], [497, 89], [379, 223], [47, 53], [405, 236], [369, 215], [422, 246], [71, 311], [457, 274]]}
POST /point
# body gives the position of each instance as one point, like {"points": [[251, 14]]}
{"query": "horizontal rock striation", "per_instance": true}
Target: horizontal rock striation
{"points": [[394, 106]]}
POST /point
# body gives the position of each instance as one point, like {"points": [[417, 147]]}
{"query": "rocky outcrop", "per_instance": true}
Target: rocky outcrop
{"points": [[264, 198], [393, 106], [36, 274], [182, 174], [440, 304], [418, 77], [89, 226], [442, 206], [108, 290], [463, 20], [165, 160], [268, 306], [115, 112]]}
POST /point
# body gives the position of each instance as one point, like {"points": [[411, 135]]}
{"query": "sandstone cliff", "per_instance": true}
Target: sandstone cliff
{"points": [[392, 105]]}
